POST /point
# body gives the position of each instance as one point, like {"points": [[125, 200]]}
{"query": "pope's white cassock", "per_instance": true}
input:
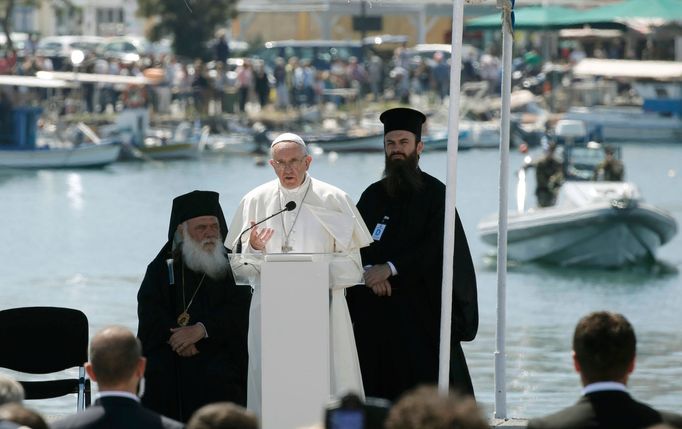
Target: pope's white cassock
{"points": [[325, 220]]}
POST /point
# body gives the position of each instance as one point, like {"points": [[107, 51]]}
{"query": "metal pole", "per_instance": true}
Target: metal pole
{"points": [[363, 31], [500, 411], [450, 196]]}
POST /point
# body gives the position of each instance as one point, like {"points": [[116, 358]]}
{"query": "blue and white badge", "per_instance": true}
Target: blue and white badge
{"points": [[379, 229]]}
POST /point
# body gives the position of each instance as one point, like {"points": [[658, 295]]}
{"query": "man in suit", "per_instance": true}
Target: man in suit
{"points": [[117, 365], [604, 346]]}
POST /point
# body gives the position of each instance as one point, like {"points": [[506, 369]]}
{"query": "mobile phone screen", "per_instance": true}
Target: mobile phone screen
{"points": [[346, 419]]}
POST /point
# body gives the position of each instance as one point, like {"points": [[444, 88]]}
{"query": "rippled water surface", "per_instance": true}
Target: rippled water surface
{"points": [[83, 238]]}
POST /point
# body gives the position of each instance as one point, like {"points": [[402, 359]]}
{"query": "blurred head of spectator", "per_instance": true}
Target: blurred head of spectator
{"points": [[425, 407], [223, 415], [10, 389]]}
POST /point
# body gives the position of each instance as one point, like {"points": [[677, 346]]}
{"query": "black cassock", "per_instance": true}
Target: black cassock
{"points": [[398, 337], [176, 386]]}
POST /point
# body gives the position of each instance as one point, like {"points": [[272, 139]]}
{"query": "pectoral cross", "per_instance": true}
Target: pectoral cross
{"points": [[183, 318], [286, 248]]}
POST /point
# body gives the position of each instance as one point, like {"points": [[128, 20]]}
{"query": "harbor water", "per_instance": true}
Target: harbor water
{"points": [[83, 239]]}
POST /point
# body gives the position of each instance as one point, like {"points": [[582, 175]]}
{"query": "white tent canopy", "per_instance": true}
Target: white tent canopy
{"points": [[654, 70]]}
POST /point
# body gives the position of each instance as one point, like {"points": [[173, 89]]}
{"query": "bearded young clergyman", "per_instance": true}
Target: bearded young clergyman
{"points": [[192, 317], [396, 314]]}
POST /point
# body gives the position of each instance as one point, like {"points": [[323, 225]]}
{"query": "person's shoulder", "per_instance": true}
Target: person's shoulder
{"points": [[432, 187], [260, 190], [160, 257], [375, 188], [157, 420], [573, 416], [169, 423], [325, 189], [432, 181], [671, 418], [85, 418]]}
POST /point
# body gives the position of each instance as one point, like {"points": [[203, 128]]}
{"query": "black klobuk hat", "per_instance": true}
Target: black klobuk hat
{"points": [[403, 118], [195, 204]]}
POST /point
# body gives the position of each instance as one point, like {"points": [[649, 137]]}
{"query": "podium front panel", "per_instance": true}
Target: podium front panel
{"points": [[294, 343]]}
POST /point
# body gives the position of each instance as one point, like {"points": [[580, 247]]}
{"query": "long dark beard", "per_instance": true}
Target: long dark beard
{"points": [[402, 175]]}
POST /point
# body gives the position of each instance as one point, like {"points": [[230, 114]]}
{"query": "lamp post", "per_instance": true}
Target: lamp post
{"points": [[77, 57]]}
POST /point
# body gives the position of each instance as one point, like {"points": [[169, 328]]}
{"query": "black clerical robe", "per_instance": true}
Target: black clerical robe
{"points": [[398, 337], [176, 386]]}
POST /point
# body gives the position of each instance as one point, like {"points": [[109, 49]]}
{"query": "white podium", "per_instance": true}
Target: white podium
{"points": [[294, 296]]}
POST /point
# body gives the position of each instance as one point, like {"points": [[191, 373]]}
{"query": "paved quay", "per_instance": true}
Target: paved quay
{"points": [[508, 423]]}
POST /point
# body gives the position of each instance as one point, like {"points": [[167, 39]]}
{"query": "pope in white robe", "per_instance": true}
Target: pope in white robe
{"points": [[325, 220]]}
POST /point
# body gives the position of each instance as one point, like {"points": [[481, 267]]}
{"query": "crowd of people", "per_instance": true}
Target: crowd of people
{"points": [[195, 360], [603, 350], [226, 82]]}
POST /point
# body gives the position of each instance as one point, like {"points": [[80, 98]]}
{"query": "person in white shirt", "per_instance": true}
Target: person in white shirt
{"points": [[324, 220]]}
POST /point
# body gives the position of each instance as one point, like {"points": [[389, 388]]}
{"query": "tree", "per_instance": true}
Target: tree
{"points": [[191, 23], [7, 10]]}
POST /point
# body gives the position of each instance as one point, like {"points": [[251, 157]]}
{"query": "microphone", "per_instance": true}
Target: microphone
{"points": [[291, 205]]}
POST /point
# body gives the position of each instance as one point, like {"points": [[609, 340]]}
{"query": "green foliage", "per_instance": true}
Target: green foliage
{"points": [[191, 23]]}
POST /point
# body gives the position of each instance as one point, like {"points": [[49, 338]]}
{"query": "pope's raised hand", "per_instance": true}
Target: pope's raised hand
{"points": [[259, 237]]}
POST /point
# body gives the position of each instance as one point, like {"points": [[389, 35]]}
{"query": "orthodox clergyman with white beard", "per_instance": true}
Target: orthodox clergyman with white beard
{"points": [[193, 320]]}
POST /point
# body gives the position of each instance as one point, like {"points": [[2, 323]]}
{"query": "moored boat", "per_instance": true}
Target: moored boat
{"points": [[658, 83], [25, 147], [601, 224], [352, 140], [81, 156], [183, 140], [594, 223]]}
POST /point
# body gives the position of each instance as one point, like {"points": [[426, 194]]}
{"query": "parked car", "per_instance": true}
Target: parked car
{"points": [[320, 53], [20, 41], [426, 51], [128, 49], [59, 48]]}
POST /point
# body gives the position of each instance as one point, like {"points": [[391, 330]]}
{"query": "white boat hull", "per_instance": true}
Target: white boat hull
{"points": [[607, 233], [369, 143], [629, 124], [479, 134], [172, 151], [92, 155], [233, 144]]}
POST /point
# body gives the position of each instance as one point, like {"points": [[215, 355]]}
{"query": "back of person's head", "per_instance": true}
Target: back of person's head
{"points": [[21, 415], [604, 345], [425, 408], [10, 390], [223, 415], [114, 355], [351, 411]]}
